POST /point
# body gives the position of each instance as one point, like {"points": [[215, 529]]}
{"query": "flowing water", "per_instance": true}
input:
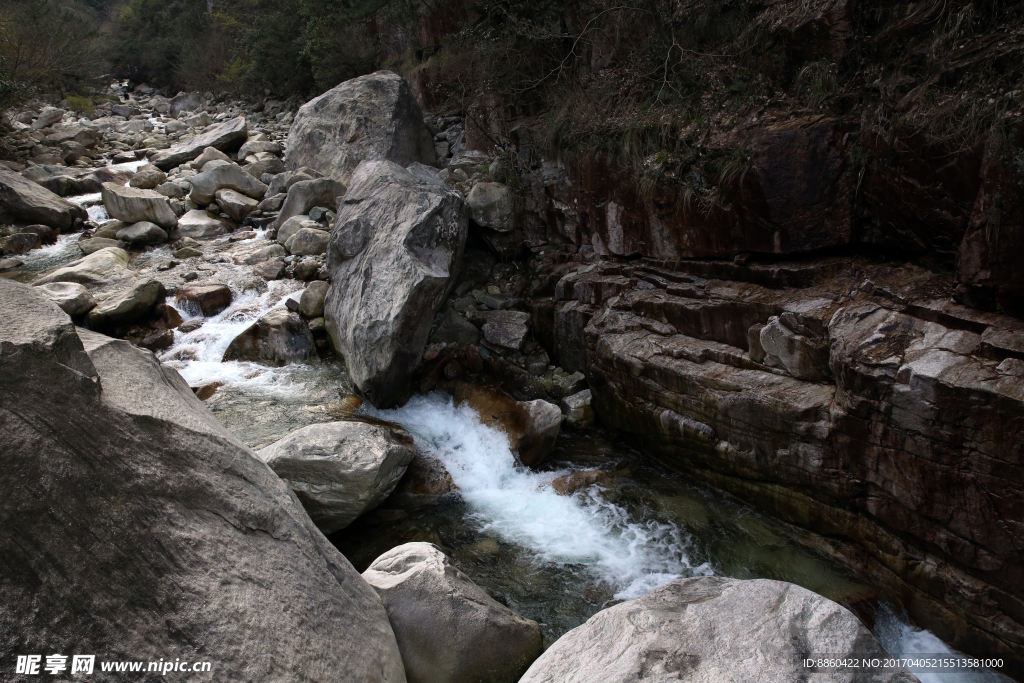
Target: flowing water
{"points": [[553, 558]]}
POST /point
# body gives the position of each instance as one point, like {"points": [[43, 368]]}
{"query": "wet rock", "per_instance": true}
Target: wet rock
{"points": [[506, 329], [340, 470], [393, 255], [148, 178], [198, 224], [308, 242], [448, 629], [424, 482], [223, 136], [707, 629], [25, 200], [308, 194], [490, 206], [119, 311], [568, 484], [373, 117], [132, 205], [102, 265], [279, 338], [207, 300], [532, 427], [311, 303], [73, 298], [21, 243], [142, 234], [567, 385], [135, 465], [227, 176], [10, 265], [455, 329], [578, 410], [158, 341], [235, 204]]}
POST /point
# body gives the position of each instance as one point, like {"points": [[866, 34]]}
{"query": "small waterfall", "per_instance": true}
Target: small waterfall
{"points": [[631, 556]]}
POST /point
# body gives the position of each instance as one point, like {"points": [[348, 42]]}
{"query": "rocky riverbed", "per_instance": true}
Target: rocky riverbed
{"points": [[338, 328]]}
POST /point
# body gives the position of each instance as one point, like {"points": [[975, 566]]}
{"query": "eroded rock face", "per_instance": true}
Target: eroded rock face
{"points": [[393, 256], [904, 445], [448, 629], [710, 629], [373, 117], [339, 470], [30, 202], [137, 490]]}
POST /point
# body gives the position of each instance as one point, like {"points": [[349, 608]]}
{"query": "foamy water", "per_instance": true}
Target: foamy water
{"points": [[632, 556]]}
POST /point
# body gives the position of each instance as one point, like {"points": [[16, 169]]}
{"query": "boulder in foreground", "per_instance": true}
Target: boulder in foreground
{"points": [[373, 117], [138, 491], [712, 629], [448, 629], [393, 256], [339, 470], [25, 200]]}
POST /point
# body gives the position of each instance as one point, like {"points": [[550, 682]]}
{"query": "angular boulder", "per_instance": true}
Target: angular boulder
{"points": [[235, 204], [311, 303], [48, 117], [491, 206], [293, 225], [278, 338], [33, 203], [227, 176], [132, 205], [137, 490], [105, 264], [119, 311], [198, 224], [148, 178], [205, 299], [307, 194], [142, 234], [711, 629], [393, 257], [308, 242], [448, 629], [373, 117], [506, 329], [223, 136], [340, 470]]}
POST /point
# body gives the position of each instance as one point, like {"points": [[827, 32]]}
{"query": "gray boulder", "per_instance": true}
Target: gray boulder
{"points": [[32, 203], [491, 206], [141, 234], [712, 629], [373, 117], [340, 470], [105, 264], [448, 629], [577, 408], [235, 204], [278, 338], [308, 242], [506, 329], [307, 194], [149, 177], [183, 102], [454, 329], [393, 257], [226, 176], [136, 490], [119, 311], [132, 205], [94, 244], [47, 117], [293, 225], [803, 357], [198, 224], [222, 136], [311, 303], [73, 298]]}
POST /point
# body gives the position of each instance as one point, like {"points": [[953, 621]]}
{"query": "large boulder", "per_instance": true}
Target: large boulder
{"points": [[278, 338], [198, 224], [136, 525], [712, 629], [223, 136], [293, 225], [393, 257], [148, 178], [25, 200], [308, 242], [142, 234], [491, 206], [132, 205], [448, 629], [121, 310], [311, 303], [105, 264], [373, 117], [235, 204], [207, 300], [228, 176], [339, 470], [73, 298], [307, 194], [47, 117]]}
